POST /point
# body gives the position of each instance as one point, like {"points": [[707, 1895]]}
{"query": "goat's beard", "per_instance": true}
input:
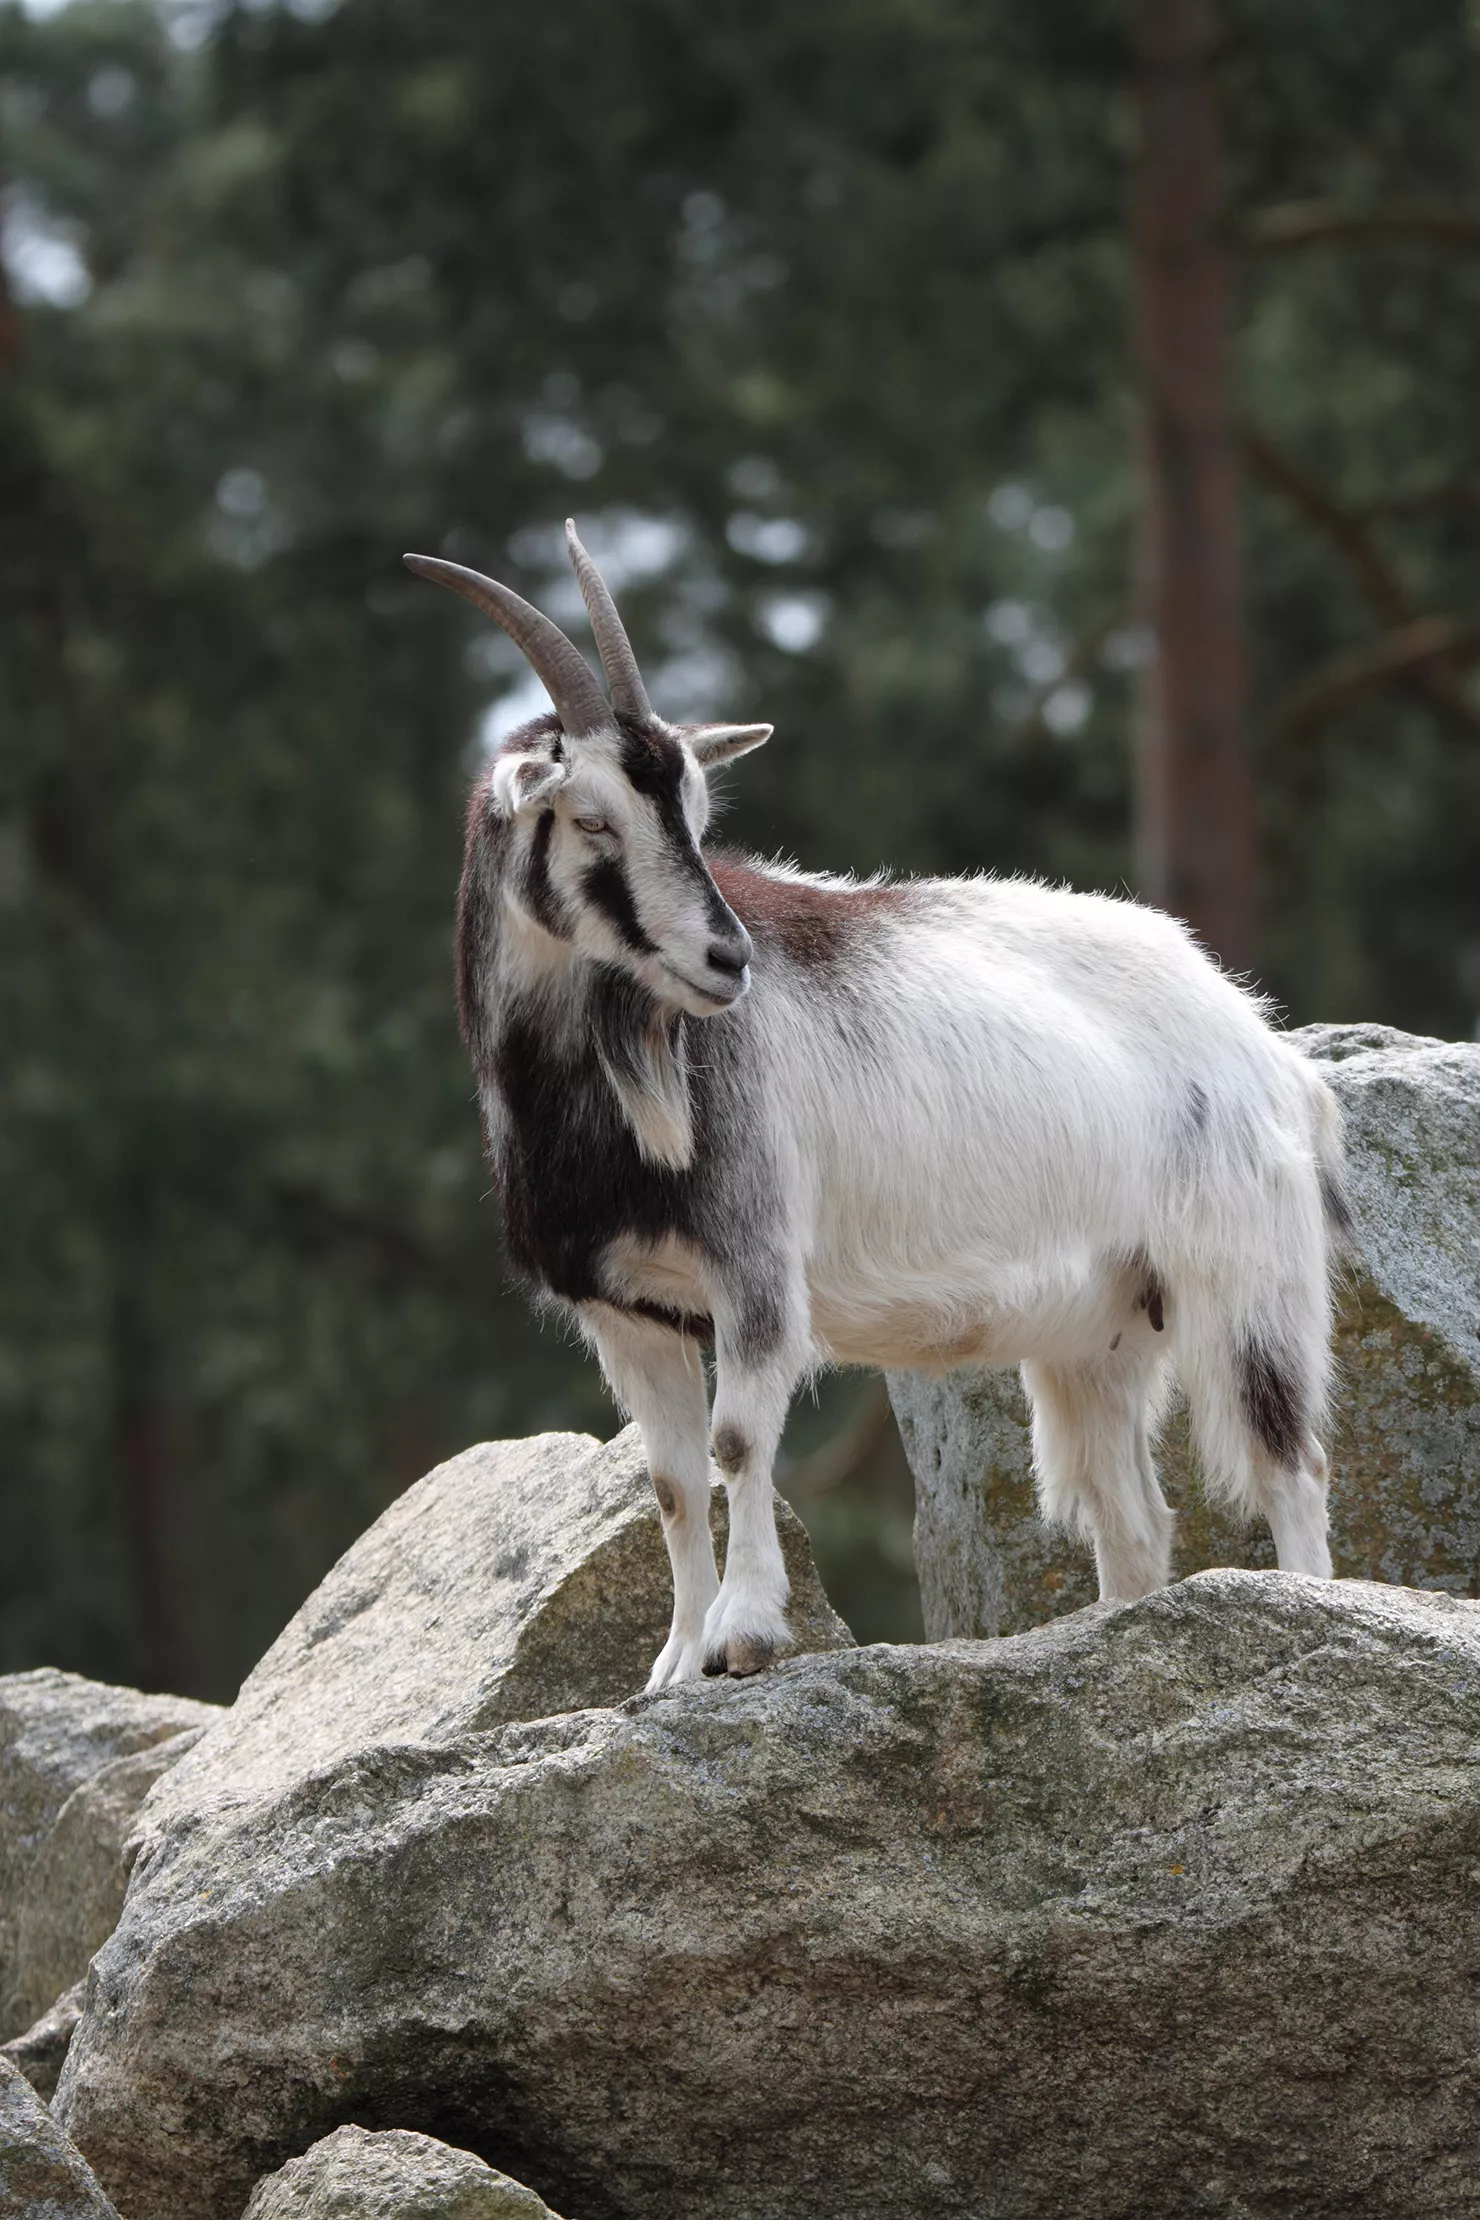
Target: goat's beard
{"points": [[641, 1046]]}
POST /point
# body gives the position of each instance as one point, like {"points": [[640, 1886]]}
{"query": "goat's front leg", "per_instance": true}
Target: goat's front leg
{"points": [[758, 1360], [657, 1375]]}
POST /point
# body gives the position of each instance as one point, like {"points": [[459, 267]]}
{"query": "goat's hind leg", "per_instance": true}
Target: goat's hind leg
{"points": [[1293, 1500], [657, 1374], [1255, 1392], [1092, 1431]]}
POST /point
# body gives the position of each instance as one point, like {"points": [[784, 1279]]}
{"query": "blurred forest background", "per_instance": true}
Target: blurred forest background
{"points": [[821, 320]]}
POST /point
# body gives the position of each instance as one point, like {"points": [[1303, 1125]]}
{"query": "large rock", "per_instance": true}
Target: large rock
{"points": [[74, 1891], [76, 1759], [356, 2174], [1405, 1445], [42, 2175], [1165, 1908], [39, 2053], [519, 1579]]}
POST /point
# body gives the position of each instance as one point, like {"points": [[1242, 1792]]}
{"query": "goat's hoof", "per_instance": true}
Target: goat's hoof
{"points": [[740, 1659], [744, 1631], [680, 1659]]}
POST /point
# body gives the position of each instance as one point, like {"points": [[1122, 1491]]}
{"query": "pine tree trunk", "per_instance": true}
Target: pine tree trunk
{"points": [[1196, 828]]}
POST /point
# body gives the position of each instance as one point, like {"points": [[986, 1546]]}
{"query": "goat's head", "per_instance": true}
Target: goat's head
{"points": [[607, 804]]}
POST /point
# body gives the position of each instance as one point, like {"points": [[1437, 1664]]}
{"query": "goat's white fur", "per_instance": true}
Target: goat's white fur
{"points": [[987, 1183], [982, 1121]]}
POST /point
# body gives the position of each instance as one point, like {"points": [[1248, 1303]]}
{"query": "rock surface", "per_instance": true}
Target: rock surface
{"points": [[74, 1891], [356, 2174], [1405, 1446], [519, 1579], [1165, 1908], [39, 2053], [76, 1758], [42, 2175]]}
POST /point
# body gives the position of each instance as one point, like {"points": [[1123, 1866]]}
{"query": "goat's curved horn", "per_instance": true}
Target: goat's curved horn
{"points": [[612, 644], [557, 663]]}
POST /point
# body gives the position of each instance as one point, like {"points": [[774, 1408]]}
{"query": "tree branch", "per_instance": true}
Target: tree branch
{"points": [[1408, 654], [1458, 493], [1319, 223], [1375, 577]]}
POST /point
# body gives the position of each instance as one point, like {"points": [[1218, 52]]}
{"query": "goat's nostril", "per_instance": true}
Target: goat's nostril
{"points": [[728, 958]]}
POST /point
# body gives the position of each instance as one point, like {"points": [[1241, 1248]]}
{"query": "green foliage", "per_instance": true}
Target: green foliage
{"points": [[819, 319]]}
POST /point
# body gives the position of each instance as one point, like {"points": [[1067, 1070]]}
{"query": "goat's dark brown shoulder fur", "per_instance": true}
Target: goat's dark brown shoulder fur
{"points": [[813, 925]]}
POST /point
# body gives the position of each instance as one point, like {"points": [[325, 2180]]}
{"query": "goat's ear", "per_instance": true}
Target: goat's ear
{"points": [[718, 743], [524, 781]]}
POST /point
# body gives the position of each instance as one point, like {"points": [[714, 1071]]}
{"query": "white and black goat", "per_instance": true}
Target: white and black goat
{"points": [[941, 1122]]}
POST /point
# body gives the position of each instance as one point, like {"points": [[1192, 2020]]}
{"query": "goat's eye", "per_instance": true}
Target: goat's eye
{"points": [[592, 825]]}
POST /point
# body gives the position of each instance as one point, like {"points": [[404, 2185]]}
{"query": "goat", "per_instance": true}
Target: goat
{"points": [[809, 1121]]}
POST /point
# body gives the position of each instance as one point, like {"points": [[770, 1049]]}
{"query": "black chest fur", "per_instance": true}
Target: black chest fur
{"points": [[570, 1174]]}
